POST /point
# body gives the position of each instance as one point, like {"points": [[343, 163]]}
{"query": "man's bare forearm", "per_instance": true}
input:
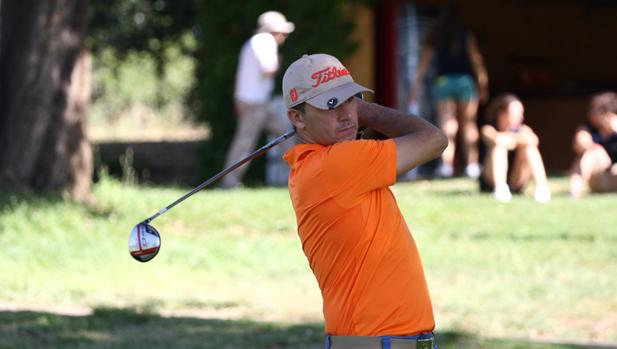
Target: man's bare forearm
{"points": [[417, 141], [390, 122]]}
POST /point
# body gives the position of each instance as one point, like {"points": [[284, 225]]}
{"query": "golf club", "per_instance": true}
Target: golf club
{"points": [[145, 240]]}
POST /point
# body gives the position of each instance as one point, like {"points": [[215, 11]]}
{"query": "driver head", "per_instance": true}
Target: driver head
{"points": [[144, 242]]}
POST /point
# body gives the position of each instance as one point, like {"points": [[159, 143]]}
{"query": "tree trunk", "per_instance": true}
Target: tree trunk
{"points": [[45, 88]]}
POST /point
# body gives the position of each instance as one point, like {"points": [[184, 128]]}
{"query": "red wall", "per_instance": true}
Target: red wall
{"points": [[385, 53]]}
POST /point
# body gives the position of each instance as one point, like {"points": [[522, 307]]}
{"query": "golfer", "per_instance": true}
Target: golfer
{"points": [[257, 66], [354, 236]]}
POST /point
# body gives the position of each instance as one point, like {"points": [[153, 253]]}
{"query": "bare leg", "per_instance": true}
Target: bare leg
{"points": [[446, 113], [577, 183], [528, 164], [538, 173], [521, 170], [590, 170], [496, 167], [467, 112], [496, 172], [604, 182], [592, 163]]}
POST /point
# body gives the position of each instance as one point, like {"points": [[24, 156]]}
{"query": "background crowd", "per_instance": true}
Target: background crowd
{"points": [[511, 155]]}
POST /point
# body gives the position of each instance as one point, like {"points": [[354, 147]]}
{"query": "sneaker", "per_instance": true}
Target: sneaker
{"points": [[502, 193], [542, 193], [445, 171], [473, 170]]}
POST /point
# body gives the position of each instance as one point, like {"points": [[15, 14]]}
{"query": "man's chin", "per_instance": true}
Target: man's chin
{"points": [[348, 134]]}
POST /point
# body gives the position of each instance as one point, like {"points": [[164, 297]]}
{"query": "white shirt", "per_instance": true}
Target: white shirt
{"points": [[258, 55]]}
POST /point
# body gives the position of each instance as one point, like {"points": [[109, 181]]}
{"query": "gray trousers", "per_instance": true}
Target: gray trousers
{"points": [[253, 119]]}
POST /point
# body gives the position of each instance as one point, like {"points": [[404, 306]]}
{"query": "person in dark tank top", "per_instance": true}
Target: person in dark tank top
{"points": [[595, 147], [462, 82]]}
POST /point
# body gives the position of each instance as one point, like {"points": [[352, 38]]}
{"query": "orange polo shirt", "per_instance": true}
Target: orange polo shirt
{"points": [[356, 240]]}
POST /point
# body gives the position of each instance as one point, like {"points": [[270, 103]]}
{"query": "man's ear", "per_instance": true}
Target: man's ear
{"points": [[296, 118]]}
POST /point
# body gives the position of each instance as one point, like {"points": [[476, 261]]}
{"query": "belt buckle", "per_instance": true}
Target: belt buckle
{"points": [[425, 343]]}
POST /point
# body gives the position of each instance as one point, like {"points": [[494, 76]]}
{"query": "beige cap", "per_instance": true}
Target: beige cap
{"points": [[274, 22], [320, 80]]}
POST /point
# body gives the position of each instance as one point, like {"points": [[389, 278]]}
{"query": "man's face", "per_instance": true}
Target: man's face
{"points": [[326, 127], [280, 37]]}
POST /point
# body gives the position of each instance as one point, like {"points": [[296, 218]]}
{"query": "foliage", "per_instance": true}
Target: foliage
{"points": [[143, 61], [130, 97], [210, 33], [133, 329], [139, 26], [321, 26]]}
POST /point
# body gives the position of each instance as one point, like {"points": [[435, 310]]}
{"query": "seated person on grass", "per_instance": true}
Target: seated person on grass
{"points": [[512, 156], [595, 146]]}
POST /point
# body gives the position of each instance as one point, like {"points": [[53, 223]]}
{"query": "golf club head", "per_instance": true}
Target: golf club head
{"points": [[144, 242]]}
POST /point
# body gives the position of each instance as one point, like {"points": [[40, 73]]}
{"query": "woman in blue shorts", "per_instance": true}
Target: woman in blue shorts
{"points": [[461, 83]]}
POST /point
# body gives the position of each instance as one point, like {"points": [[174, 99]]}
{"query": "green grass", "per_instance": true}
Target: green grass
{"points": [[231, 273], [121, 328]]}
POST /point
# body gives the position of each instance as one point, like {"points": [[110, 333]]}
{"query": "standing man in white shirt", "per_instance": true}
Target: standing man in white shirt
{"points": [[257, 67]]}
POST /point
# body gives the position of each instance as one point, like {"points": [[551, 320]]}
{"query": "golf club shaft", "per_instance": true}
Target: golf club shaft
{"points": [[221, 174]]}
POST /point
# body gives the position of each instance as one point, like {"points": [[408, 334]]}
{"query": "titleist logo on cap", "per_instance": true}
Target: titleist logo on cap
{"points": [[327, 74]]}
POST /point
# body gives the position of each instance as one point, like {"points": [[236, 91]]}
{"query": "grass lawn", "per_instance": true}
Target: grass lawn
{"points": [[231, 273]]}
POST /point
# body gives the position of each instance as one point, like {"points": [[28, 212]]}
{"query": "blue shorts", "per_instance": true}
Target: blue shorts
{"points": [[460, 87]]}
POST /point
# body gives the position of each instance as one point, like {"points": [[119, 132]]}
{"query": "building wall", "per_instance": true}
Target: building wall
{"points": [[362, 63], [553, 54], [568, 45]]}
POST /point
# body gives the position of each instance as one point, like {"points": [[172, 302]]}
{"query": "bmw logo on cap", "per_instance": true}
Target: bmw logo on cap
{"points": [[332, 102]]}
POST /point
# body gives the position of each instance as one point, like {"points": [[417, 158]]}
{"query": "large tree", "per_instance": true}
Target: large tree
{"points": [[44, 88]]}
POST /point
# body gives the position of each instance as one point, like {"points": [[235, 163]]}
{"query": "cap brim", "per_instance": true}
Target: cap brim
{"points": [[336, 96], [288, 28], [285, 28]]}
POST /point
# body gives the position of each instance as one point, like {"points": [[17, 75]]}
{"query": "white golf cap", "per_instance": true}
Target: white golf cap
{"points": [[274, 22], [320, 80]]}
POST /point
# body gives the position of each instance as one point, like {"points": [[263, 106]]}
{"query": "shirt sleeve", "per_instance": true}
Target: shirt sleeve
{"points": [[355, 168], [266, 51]]}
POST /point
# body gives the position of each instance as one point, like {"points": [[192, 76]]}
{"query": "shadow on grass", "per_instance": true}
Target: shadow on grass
{"points": [[8, 200], [126, 328]]}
